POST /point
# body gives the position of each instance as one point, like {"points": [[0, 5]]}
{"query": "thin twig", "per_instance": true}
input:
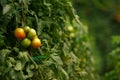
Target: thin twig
{"points": [[22, 14]]}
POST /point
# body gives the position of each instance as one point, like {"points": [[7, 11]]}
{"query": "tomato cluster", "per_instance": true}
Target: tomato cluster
{"points": [[71, 30], [28, 37]]}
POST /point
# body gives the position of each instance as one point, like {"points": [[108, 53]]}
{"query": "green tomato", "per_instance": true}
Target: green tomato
{"points": [[26, 29], [31, 34], [70, 29], [72, 35], [26, 43]]}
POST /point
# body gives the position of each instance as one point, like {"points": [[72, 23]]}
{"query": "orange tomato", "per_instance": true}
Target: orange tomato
{"points": [[36, 43], [20, 33]]}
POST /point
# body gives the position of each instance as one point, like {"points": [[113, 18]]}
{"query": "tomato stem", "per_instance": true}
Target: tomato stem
{"points": [[22, 15]]}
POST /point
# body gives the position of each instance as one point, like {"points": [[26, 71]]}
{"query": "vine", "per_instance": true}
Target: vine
{"points": [[63, 55]]}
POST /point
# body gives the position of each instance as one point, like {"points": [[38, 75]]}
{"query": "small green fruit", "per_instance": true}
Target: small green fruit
{"points": [[26, 29], [72, 35], [70, 28], [26, 42], [31, 34]]}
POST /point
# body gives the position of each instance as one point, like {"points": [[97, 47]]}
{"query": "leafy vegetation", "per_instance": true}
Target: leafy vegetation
{"points": [[63, 55], [47, 40], [113, 61], [103, 19]]}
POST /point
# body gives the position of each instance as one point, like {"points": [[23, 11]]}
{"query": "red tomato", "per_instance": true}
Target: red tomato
{"points": [[19, 33], [36, 43]]}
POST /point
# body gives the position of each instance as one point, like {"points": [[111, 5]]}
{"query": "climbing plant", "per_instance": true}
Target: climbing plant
{"points": [[64, 51]]}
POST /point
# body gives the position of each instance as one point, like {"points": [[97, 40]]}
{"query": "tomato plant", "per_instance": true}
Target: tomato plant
{"points": [[59, 58]]}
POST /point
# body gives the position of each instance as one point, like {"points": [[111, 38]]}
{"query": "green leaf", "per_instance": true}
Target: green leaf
{"points": [[6, 71], [29, 69], [40, 56], [73, 57], [18, 66], [3, 54], [48, 63], [57, 59], [116, 39], [3, 2], [2, 43], [6, 9], [12, 74], [23, 56], [66, 49], [65, 73], [9, 64], [11, 59]]}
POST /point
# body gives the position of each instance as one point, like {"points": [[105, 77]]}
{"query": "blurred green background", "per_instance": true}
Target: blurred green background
{"points": [[103, 20]]}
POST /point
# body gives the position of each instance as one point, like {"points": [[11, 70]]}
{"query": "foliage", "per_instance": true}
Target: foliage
{"points": [[103, 20], [113, 61], [62, 56]]}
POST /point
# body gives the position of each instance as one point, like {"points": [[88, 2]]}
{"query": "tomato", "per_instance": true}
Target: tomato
{"points": [[36, 43], [31, 34], [117, 17], [26, 42], [72, 35], [35, 37], [70, 29], [19, 33], [26, 29]]}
